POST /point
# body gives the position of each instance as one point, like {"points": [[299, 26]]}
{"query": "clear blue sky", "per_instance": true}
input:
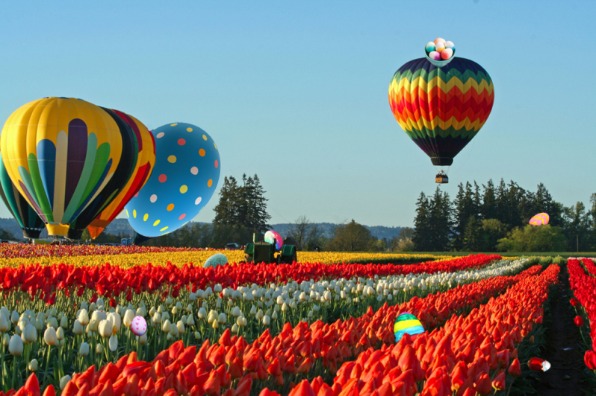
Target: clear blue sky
{"points": [[296, 92]]}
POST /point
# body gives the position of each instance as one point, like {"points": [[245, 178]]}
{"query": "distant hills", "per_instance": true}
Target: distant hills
{"points": [[121, 228]]}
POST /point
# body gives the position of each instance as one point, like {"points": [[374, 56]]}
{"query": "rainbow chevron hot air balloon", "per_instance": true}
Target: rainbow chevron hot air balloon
{"points": [[441, 108]]}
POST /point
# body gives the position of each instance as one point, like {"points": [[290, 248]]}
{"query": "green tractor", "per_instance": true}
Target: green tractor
{"points": [[264, 252]]}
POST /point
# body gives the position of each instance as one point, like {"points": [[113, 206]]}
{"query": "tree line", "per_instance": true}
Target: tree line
{"points": [[480, 218], [495, 218]]}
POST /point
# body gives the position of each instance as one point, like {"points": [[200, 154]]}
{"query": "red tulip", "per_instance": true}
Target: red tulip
{"points": [[499, 382], [590, 359], [515, 368], [578, 320]]}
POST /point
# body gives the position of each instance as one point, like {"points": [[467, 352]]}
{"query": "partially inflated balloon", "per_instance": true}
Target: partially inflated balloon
{"points": [[61, 154], [441, 108], [183, 179], [407, 323], [272, 237], [31, 224], [540, 219], [140, 175]]}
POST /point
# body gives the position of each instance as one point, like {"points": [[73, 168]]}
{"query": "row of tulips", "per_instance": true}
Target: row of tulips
{"points": [[582, 279], [471, 354], [42, 281], [12, 255], [84, 338], [231, 365]]}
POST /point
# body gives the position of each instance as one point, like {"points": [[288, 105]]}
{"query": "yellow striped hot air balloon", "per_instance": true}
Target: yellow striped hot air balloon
{"points": [[62, 154]]}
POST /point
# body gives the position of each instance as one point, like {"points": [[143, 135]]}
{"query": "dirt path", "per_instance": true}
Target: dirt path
{"points": [[563, 347]]}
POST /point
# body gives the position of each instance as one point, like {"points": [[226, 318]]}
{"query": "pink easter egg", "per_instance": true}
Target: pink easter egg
{"points": [[138, 326], [434, 55], [446, 53], [440, 40]]}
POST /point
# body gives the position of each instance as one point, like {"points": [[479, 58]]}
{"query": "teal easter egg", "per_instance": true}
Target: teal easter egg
{"points": [[407, 323]]}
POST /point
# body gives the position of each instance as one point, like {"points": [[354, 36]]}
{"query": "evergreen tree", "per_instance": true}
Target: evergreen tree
{"points": [[422, 224], [440, 221], [241, 211], [489, 202], [577, 227], [466, 207]]}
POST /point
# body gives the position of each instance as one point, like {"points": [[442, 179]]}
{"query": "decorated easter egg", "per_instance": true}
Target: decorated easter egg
{"points": [[272, 237], [446, 53], [430, 46], [183, 179], [215, 260], [538, 364], [138, 326], [407, 323], [540, 219]]}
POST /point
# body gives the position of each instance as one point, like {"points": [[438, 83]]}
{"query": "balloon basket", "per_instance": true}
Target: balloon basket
{"points": [[439, 63], [441, 178]]}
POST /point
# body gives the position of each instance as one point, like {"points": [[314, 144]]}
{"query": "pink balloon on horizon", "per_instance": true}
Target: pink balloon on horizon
{"points": [[540, 219]]}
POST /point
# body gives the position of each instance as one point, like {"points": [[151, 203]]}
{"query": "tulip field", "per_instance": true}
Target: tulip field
{"points": [[320, 326]]}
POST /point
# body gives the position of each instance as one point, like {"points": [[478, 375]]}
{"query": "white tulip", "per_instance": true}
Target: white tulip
{"points": [[33, 365], [166, 326], [266, 320], [64, 321], [14, 317], [4, 323], [29, 333], [99, 315], [83, 317], [84, 349], [98, 348], [64, 381], [52, 322], [190, 320], [129, 315], [116, 320], [113, 343], [105, 328], [15, 345], [50, 337]]}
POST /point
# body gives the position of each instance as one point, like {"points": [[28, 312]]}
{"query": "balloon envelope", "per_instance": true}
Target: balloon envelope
{"points": [[31, 224], [183, 179], [140, 174], [215, 260], [61, 154], [407, 323], [540, 219], [273, 236], [441, 108]]}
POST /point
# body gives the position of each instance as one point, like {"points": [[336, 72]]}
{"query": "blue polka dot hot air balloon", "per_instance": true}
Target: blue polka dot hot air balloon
{"points": [[183, 179], [407, 323]]}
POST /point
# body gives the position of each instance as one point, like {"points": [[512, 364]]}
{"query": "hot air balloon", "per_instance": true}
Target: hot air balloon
{"points": [[140, 174], [183, 179], [31, 224], [61, 154], [442, 107]]}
